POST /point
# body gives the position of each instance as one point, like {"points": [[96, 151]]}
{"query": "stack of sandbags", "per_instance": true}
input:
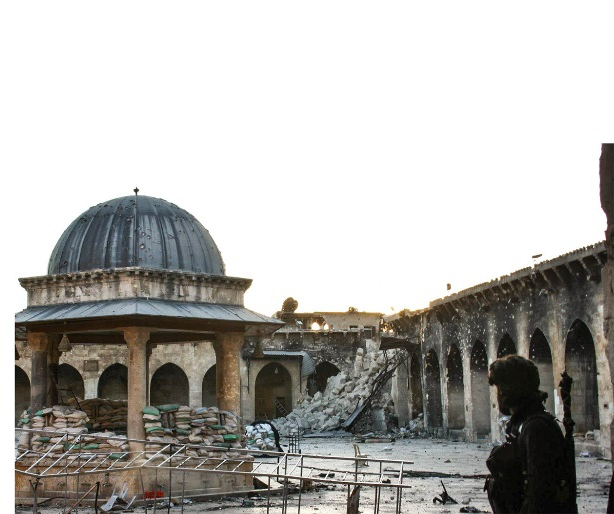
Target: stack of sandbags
{"points": [[199, 427], [105, 414], [152, 422], [260, 436], [57, 424]]}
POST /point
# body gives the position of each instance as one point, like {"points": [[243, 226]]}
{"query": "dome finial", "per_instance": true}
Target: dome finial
{"points": [[136, 190]]}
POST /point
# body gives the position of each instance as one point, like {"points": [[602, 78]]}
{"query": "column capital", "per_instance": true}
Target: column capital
{"points": [[136, 336], [230, 340], [38, 341]]}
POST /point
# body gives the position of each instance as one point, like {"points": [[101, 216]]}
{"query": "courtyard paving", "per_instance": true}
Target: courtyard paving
{"points": [[460, 466]]}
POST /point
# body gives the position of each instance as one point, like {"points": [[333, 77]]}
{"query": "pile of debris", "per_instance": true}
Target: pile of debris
{"points": [[328, 410]]}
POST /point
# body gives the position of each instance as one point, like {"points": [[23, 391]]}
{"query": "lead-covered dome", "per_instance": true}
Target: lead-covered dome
{"points": [[136, 231]]}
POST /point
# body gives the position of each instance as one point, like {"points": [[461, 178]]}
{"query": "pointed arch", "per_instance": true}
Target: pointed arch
{"points": [[169, 384], [581, 365], [273, 392], [113, 382], [432, 378], [70, 383], [480, 393], [209, 392], [456, 390], [506, 346], [540, 354], [415, 382]]}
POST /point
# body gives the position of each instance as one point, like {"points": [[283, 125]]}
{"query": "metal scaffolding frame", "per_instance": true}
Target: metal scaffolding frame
{"points": [[291, 470]]}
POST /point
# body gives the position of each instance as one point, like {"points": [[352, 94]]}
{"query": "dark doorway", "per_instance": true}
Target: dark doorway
{"points": [[273, 392]]}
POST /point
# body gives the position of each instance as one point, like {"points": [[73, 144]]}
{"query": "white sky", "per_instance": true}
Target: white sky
{"points": [[347, 154]]}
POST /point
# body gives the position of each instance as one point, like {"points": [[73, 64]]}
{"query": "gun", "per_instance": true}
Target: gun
{"points": [[565, 390]]}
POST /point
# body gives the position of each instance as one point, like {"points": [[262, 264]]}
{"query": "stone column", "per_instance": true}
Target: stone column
{"points": [[53, 360], [38, 342], [227, 348], [136, 339]]}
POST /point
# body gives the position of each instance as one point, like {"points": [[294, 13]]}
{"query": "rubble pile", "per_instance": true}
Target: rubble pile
{"points": [[327, 410], [201, 426]]}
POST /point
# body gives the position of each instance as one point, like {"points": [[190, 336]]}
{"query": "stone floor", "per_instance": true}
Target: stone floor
{"points": [[461, 464]]}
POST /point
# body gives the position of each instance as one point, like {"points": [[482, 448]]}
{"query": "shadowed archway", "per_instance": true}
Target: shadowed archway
{"points": [[540, 354], [209, 398], [480, 393], [432, 377], [22, 392], [70, 383], [415, 381], [273, 392], [113, 383], [581, 365], [169, 384], [506, 346], [456, 391]]}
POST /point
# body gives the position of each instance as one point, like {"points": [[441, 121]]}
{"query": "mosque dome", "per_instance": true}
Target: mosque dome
{"points": [[136, 231]]}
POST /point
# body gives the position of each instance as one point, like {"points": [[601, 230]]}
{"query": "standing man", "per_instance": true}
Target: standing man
{"points": [[529, 472]]}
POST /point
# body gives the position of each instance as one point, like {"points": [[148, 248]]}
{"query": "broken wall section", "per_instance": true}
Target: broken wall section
{"points": [[327, 410]]}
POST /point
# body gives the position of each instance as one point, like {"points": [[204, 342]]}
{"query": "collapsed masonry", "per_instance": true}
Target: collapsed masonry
{"points": [[359, 401]]}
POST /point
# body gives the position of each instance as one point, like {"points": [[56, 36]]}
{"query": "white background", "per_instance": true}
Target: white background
{"points": [[357, 154]]}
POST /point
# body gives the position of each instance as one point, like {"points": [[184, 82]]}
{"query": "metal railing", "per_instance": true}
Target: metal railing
{"points": [[292, 470]]}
